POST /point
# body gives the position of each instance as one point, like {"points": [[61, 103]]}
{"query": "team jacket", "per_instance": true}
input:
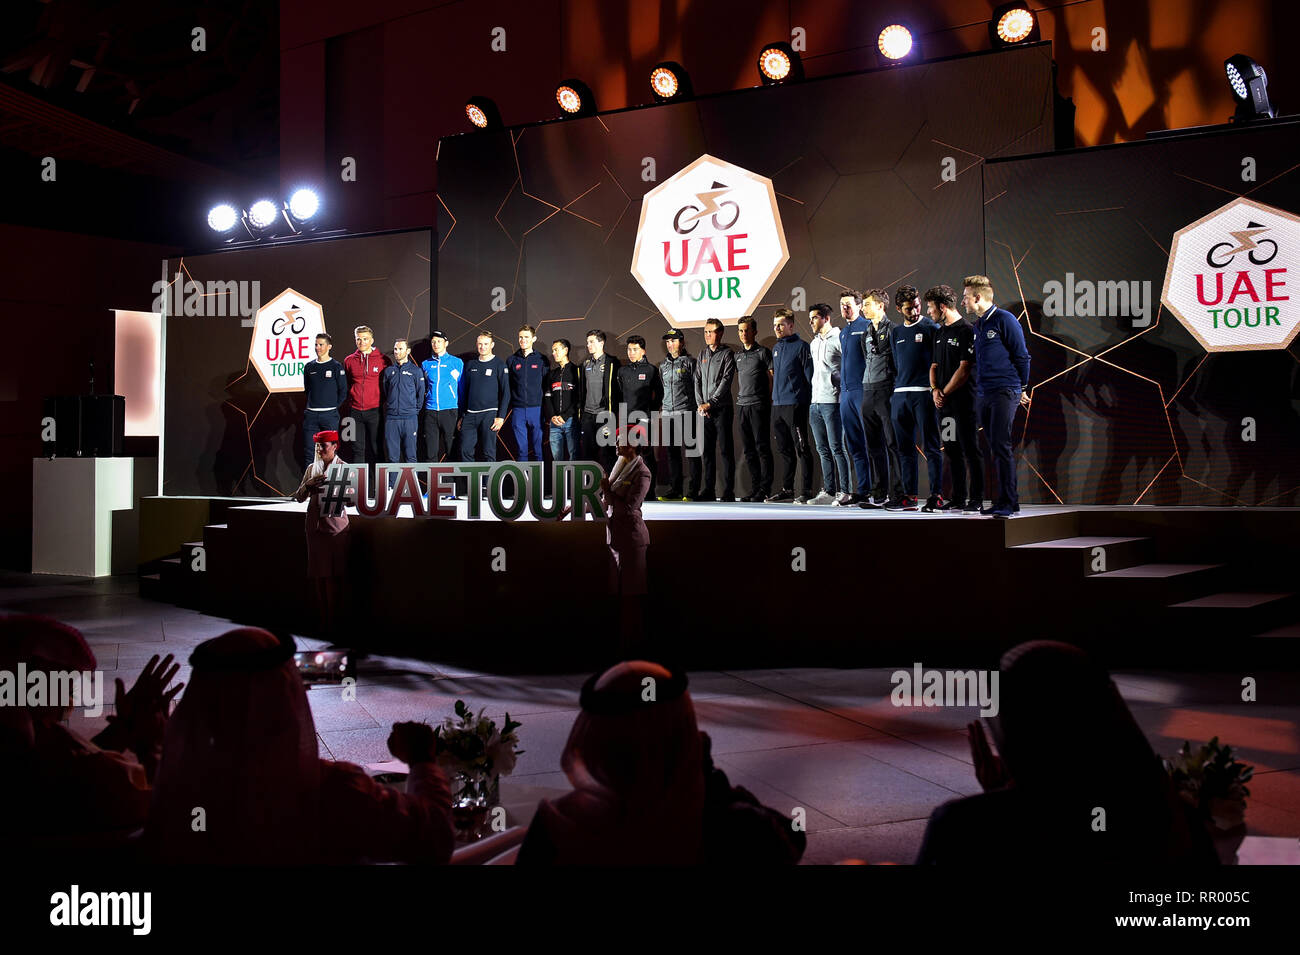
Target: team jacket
{"points": [[563, 392], [678, 378], [363, 378], [753, 381], [640, 386], [403, 389], [486, 388], [326, 384], [853, 355], [1001, 358], [878, 354], [599, 384], [913, 347], [714, 371], [442, 377], [792, 371], [527, 376]]}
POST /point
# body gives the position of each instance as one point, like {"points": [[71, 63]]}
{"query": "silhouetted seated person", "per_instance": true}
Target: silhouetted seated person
{"points": [[65, 794], [1069, 747], [645, 791], [241, 780]]}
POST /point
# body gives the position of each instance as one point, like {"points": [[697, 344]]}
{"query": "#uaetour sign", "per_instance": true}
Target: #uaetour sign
{"points": [[710, 243], [284, 336], [1227, 279]]}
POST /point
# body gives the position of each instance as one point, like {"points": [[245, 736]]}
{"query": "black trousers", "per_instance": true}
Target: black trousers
{"points": [[913, 411], [997, 414], [882, 447], [717, 431], [439, 434], [593, 450], [957, 418], [756, 438], [676, 450], [790, 433], [367, 446]]}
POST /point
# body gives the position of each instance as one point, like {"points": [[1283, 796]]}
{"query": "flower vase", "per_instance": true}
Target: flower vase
{"points": [[473, 794]]}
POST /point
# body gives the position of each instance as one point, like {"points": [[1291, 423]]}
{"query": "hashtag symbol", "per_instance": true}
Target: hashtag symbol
{"points": [[337, 484]]}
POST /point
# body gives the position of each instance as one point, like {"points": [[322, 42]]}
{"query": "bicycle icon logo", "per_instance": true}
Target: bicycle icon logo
{"points": [[1254, 250], [710, 206], [300, 322]]}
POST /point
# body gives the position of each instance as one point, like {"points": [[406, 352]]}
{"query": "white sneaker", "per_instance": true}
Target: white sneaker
{"points": [[842, 499], [823, 498], [801, 500]]}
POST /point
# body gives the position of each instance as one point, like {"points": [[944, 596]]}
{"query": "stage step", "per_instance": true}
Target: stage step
{"points": [[1234, 613], [1151, 583], [151, 588], [1075, 555]]}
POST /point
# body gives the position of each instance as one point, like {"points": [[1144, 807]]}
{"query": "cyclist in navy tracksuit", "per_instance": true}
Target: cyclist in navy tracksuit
{"points": [[853, 365], [402, 385], [442, 373], [792, 375], [326, 383], [1001, 377], [912, 405], [485, 399], [527, 376]]}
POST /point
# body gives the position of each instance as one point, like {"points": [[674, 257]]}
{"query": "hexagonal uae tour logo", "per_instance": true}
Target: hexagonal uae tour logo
{"points": [[284, 339], [710, 243], [1227, 277]]}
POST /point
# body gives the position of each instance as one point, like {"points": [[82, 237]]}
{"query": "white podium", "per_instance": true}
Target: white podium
{"points": [[83, 514]]}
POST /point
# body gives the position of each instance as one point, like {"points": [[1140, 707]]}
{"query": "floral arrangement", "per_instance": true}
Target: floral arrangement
{"points": [[474, 746], [1212, 782]]}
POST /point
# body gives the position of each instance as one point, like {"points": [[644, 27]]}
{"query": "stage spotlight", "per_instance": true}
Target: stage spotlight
{"points": [[482, 112], [576, 98], [223, 218], [303, 204], [1249, 85], [262, 214], [898, 42], [1013, 23], [779, 63], [669, 81]]}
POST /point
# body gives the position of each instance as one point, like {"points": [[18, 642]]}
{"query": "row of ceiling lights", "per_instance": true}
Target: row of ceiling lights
{"points": [[1012, 24], [264, 218]]}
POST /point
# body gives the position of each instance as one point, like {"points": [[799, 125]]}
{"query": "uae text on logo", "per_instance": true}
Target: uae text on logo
{"points": [[710, 243], [284, 335], [1227, 279]]}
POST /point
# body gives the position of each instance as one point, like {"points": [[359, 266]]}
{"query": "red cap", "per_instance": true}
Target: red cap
{"points": [[320, 436]]}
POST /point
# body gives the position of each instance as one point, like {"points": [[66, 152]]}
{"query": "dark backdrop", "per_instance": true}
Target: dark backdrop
{"points": [[1124, 414], [223, 434]]}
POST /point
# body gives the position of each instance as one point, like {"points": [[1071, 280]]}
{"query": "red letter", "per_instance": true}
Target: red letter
{"points": [[1218, 289], [1243, 279], [302, 347], [706, 248], [1269, 286], [668, 266], [732, 249]]}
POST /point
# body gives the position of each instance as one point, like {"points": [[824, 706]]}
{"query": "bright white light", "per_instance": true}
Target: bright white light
{"points": [[262, 213], [775, 64], [664, 82], [1238, 84], [568, 99], [303, 204], [222, 218], [895, 41], [476, 116]]}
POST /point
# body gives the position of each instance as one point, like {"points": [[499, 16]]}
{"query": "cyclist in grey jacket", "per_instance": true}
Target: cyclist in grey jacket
{"points": [[678, 424], [714, 373]]}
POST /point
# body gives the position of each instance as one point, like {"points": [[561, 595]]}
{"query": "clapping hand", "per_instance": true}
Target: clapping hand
{"points": [[413, 743], [141, 712]]}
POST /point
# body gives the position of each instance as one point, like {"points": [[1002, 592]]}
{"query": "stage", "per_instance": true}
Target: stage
{"points": [[750, 583]]}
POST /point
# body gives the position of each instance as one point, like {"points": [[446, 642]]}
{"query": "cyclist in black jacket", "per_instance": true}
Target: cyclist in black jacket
{"points": [[561, 402]]}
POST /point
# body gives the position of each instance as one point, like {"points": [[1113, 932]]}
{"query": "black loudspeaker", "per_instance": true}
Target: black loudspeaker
{"points": [[86, 426]]}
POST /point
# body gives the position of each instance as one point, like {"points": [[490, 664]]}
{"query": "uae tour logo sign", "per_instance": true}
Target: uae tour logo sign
{"points": [[710, 243], [284, 336], [1227, 277]]}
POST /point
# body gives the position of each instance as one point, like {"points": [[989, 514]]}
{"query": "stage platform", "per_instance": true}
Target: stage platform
{"points": [[766, 583]]}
